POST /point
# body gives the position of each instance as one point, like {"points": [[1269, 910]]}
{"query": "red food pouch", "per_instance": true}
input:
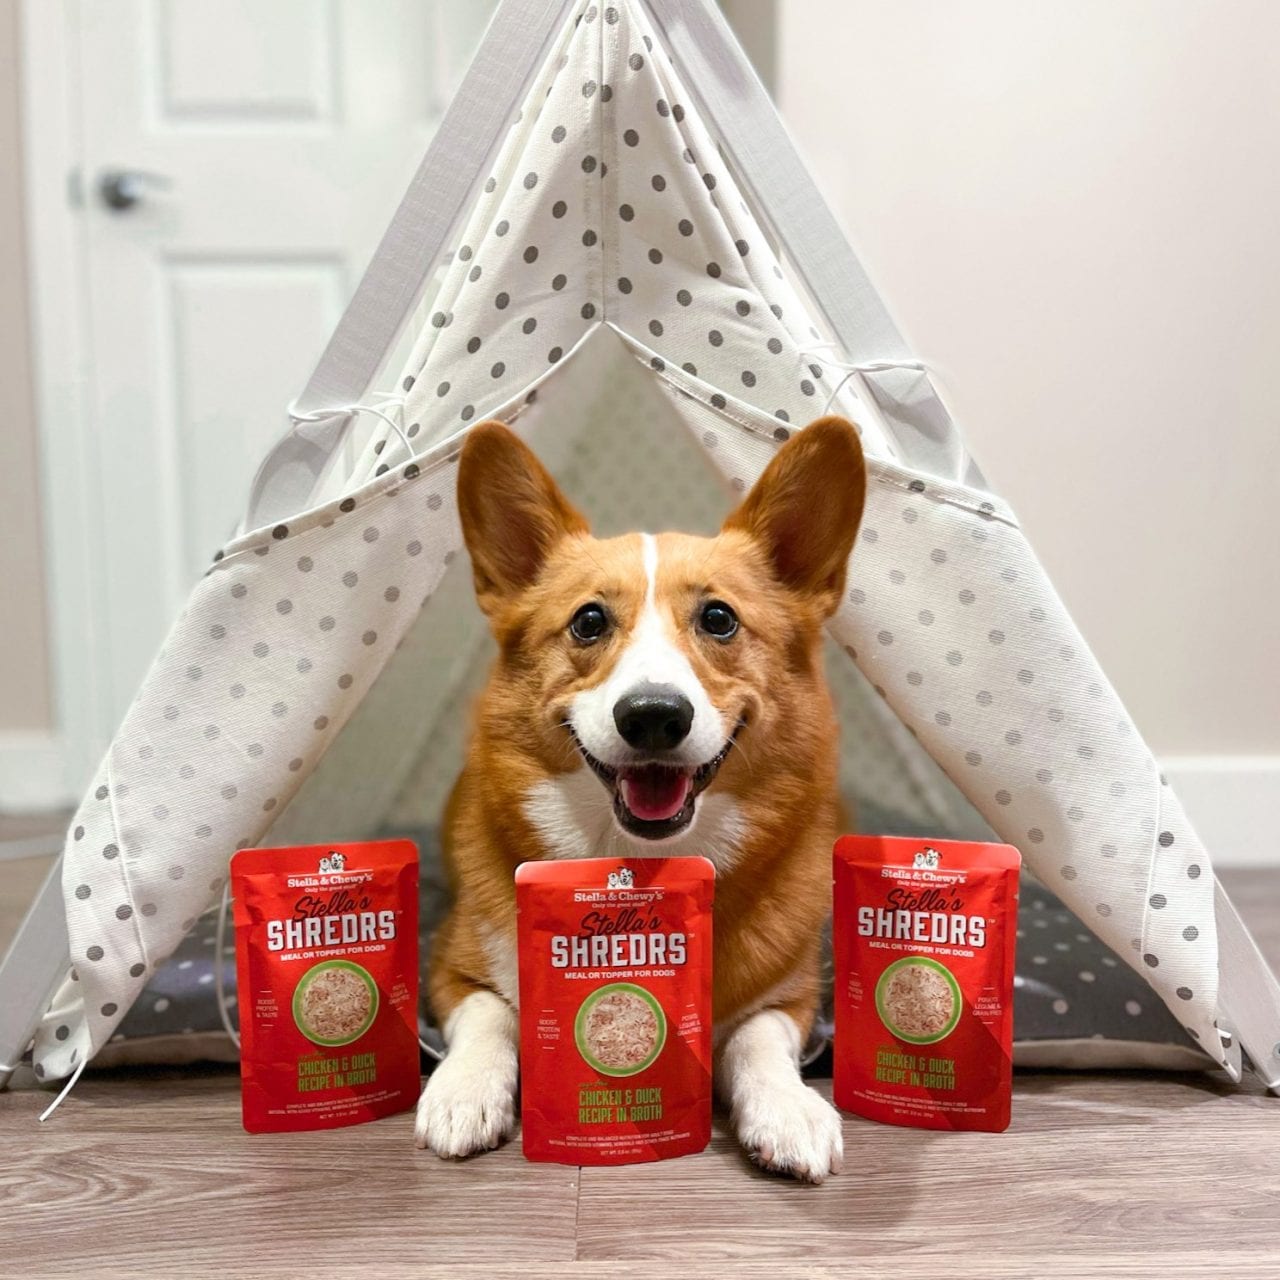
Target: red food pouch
{"points": [[923, 938], [327, 982], [615, 1008]]}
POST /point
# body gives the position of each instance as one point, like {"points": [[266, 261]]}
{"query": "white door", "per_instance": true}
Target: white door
{"points": [[238, 161]]}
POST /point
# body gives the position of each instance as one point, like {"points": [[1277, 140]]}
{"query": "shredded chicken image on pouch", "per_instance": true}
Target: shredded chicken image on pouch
{"points": [[917, 1000], [620, 1030], [336, 1004]]}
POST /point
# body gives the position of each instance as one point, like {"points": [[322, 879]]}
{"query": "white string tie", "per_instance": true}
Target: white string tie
{"points": [[66, 1089], [856, 369], [391, 401]]}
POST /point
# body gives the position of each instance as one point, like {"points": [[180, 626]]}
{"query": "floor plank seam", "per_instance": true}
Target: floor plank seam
{"points": [[577, 1215]]}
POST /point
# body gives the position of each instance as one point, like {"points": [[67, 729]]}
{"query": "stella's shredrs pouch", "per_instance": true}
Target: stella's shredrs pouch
{"points": [[615, 1008], [923, 936], [327, 982]]}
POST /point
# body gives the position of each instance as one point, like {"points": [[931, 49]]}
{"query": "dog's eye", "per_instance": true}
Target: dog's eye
{"points": [[589, 623], [718, 619]]}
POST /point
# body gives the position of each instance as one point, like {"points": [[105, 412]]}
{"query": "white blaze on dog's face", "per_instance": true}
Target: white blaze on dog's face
{"points": [[650, 686]]}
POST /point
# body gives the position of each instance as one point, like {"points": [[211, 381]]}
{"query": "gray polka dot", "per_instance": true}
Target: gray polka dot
{"points": [[1013, 738], [1003, 797], [1166, 839], [1185, 993], [83, 891], [1150, 960], [369, 637], [327, 623], [885, 637], [955, 658], [279, 709], [95, 953], [1044, 775], [915, 678], [966, 596], [973, 757], [1191, 933], [982, 698], [925, 617], [109, 1008], [1068, 873], [110, 851], [1193, 871], [1035, 835], [148, 909], [345, 681], [1103, 909], [320, 723], [996, 637], [350, 578], [229, 792], [176, 872]]}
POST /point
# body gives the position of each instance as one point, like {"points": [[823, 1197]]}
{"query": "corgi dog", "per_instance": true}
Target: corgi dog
{"points": [[656, 695]]}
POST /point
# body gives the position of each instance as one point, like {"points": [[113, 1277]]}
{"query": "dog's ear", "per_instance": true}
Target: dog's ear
{"points": [[512, 512], [804, 510]]}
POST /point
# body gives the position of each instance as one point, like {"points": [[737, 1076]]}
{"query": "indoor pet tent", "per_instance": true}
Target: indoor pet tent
{"points": [[612, 245]]}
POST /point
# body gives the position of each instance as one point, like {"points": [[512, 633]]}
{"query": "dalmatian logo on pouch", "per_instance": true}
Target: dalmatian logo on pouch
{"points": [[332, 862], [927, 858], [623, 878]]}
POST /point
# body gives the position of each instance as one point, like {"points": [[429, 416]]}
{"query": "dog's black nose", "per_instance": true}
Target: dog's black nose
{"points": [[653, 717]]}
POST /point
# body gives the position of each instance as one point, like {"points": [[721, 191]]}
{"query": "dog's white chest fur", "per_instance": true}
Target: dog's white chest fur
{"points": [[573, 816]]}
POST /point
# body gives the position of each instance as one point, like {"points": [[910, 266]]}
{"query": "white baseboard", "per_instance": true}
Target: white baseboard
{"points": [[32, 773], [1233, 803]]}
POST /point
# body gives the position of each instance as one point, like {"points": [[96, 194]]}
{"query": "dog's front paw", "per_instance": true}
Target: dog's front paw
{"points": [[791, 1130], [463, 1111]]}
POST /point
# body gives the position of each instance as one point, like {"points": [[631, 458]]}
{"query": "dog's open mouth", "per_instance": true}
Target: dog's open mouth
{"points": [[656, 800]]}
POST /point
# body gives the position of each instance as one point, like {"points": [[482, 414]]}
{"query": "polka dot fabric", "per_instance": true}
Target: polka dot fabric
{"points": [[275, 649], [610, 204]]}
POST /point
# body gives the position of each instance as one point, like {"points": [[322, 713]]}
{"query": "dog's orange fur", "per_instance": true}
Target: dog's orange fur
{"points": [[780, 562]]}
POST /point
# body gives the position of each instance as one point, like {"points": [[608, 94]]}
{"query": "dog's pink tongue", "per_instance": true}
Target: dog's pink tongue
{"points": [[654, 793]]}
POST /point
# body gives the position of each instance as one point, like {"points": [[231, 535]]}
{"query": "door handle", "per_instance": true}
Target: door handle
{"points": [[121, 189]]}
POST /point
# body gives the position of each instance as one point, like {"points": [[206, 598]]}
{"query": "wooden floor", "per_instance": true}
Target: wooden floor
{"points": [[148, 1173]]}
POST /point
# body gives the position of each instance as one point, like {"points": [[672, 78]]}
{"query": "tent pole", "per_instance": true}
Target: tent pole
{"points": [[37, 960]]}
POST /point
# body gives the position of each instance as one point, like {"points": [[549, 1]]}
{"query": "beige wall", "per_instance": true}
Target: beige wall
{"points": [[1073, 212], [24, 669]]}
